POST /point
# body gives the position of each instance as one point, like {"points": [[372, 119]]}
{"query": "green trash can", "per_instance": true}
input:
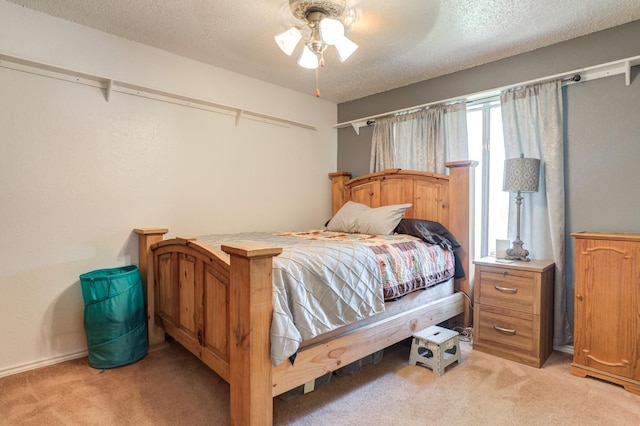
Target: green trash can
{"points": [[114, 319]]}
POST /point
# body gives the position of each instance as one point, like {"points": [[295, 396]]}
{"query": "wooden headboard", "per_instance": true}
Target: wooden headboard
{"points": [[447, 199]]}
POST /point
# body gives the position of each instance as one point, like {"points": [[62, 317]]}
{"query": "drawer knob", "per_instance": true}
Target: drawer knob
{"points": [[505, 273], [509, 331], [506, 289]]}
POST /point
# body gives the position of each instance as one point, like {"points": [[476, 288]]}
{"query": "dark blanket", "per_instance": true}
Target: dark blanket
{"points": [[434, 233]]}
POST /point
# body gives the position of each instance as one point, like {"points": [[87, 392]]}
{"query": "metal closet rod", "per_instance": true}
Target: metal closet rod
{"points": [[622, 66], [110, 85]]}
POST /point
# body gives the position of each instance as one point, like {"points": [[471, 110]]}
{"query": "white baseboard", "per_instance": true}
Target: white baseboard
{"points": [[39, 364], [51, 361], [567, 349]]}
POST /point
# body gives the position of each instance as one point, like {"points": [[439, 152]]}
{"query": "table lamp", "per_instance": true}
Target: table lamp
{"points": [[520, 175]]}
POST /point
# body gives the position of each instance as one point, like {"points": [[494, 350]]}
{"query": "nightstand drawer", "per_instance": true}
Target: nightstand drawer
{"points": [[510, 288], [506, 328]]}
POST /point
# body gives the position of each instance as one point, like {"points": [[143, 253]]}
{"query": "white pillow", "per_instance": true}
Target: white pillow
{"points": [[359, 218], [345, 218]]}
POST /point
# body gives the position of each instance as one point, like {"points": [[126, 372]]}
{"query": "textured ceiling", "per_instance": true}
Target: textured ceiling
{"points": [[401, 42]]}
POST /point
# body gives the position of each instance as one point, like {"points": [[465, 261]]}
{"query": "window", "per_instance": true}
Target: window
{"points": [[486, 145]]}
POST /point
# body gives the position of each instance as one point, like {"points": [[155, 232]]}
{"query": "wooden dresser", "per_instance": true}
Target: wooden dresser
{"points": [[607, 308], [513, 309]]}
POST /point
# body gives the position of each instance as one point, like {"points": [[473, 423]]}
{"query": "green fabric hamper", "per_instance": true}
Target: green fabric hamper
{"points": [[114, 319]]}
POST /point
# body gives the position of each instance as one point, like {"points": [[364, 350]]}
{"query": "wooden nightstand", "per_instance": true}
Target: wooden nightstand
{"points": [[513, 309]]}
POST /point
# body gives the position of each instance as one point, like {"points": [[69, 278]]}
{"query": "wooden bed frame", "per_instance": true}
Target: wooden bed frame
{"points": [[220, 308]]}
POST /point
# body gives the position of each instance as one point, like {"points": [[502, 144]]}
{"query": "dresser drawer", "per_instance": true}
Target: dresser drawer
{"points": [[512, 329], [510, 288], [513, 309]]}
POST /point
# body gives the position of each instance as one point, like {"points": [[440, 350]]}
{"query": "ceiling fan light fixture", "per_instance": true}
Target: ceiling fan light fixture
{"points": [[288, 40], [322, 24]]}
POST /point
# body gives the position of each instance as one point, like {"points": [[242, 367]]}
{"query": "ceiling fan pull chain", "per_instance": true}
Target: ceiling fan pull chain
{"points": [[317, 85]]}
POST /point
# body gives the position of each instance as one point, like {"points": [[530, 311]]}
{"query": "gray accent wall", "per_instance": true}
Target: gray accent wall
{"points": [[601, 120]]}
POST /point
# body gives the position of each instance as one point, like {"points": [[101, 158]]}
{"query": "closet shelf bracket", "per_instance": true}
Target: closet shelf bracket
{"points": [[109, 89], [627, 72]]}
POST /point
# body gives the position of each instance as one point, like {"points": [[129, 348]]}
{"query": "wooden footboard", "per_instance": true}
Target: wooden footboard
{"points": [[220, 310], [219, 307]]}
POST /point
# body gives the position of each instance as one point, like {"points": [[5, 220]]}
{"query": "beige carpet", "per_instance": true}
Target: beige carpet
{"points": [[171, 387]]}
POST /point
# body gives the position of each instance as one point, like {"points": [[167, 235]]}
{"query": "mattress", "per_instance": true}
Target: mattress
{"points": [[324, 281], [392, 308]]}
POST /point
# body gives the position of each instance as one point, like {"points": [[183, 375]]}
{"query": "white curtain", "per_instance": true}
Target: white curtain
{"points": [[423, 140], [532, 120]]}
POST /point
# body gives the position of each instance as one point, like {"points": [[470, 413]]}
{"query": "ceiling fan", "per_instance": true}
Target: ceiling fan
{"points": [[321, 23]]}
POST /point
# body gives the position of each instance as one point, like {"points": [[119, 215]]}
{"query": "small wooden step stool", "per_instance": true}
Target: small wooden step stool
{"points": [[436, 348]]}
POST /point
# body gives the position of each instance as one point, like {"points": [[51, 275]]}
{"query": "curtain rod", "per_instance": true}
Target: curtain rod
{"points": [[622, 66]]}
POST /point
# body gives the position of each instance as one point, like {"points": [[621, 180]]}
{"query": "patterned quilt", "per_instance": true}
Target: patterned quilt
{"points": [[324, 280], [406, 263]]}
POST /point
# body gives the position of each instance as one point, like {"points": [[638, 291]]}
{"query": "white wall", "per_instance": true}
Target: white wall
{"points": [[77, 173]]}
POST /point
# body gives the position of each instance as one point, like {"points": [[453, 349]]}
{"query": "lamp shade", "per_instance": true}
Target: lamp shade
{"points": [[332, 30], [521, 174], [308, 59], [345, 48], [288, 40]]}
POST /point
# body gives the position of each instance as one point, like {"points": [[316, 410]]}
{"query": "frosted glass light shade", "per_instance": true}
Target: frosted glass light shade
{"points": [[332, 30], [288, 40], [345, 48], [308, 59]]}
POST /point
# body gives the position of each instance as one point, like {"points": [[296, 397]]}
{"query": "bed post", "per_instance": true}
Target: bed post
{"points": [[338, 190], [250, 314], [147, 238], [461, 216]]}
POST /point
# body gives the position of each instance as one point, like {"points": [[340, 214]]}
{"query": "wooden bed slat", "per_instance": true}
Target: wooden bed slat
{"points": [[323, 358]]}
